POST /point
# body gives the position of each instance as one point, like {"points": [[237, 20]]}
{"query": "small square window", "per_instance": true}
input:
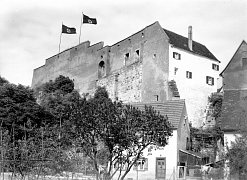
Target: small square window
{"points": [[215, 67], [176, 55], [141, 164], [210, 80], [188, 74]]}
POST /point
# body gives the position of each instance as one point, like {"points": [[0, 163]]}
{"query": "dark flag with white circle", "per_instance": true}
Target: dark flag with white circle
{"points": [[68, 30], [89, 20]]}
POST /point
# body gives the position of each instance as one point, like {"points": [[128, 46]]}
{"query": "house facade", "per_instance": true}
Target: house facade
{"points": [[234, 107], [152, 65], [173, 160]]}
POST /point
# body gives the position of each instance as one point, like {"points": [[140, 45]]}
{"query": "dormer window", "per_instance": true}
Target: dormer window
{"points": [[176, 56], [215, 67], [101, 69]]}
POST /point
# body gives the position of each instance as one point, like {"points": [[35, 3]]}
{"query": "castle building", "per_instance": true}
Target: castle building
{"points": [[152, 65]]}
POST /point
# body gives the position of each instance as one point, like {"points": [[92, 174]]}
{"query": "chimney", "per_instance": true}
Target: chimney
{"points": [[190, 41]]}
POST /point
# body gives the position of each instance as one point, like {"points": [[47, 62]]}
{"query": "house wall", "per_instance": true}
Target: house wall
{"points": [[183, 131], [235, 75], [195, 91], [169, 152]]}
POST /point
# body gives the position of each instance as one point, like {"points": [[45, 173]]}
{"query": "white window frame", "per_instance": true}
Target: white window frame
{"points": [[141, 165]]}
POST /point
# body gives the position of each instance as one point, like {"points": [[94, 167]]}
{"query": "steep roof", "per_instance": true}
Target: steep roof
{"points": [[173, 109], [234, 111], [182, 43], [243, 42]]}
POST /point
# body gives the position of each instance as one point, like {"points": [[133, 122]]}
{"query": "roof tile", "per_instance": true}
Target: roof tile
{"points": [[182, 43], [173, 109]]}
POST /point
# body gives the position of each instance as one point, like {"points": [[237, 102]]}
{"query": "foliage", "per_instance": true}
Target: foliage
{"points": [[236, 154], [207, 138], [216, 100], [61, 84], [111, 133], [3, 81], [20, 117]]}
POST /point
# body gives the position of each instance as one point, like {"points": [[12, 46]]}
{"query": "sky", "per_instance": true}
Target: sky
{"points": [[30, 29]]}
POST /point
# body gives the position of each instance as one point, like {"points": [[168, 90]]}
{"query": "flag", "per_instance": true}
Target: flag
{"points": [[68, 30], [89, 20]]}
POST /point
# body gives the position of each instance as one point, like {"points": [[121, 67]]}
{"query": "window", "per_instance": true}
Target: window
{"points": [[101, 69], [210, 80], [126, 58], [141, 164], [188, 74], [215, 67], [175, 70], [244, 62], [137, 54], [176, 55]]}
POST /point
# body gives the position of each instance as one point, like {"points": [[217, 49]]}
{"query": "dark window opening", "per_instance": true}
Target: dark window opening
{"points": [[126, 58], [188, 74], [175, 70], [215, 67], [101, 69], [210, 80], [176, 56]]}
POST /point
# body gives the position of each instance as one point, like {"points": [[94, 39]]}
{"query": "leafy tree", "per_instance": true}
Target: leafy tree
{"points": [[3, 81], [20, 116], [58, 97], [112, 134], [236, 154], [216, 100]]}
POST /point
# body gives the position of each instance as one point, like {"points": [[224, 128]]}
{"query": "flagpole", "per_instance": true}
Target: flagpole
{"points": [[80, 29], [60, 40]]}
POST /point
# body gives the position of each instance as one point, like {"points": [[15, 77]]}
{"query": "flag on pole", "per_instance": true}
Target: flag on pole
{"points": [[89, 20], [68, 30]]}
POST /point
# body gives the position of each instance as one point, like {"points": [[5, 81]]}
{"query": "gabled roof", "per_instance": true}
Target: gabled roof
{"points": [[173, 109], [232, 57], [182, 43], [234, 111]]}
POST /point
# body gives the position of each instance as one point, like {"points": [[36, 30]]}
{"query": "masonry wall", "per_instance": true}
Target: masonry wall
{"points": [[132, 70], [195, 91], [235, 75], [78, 63]]}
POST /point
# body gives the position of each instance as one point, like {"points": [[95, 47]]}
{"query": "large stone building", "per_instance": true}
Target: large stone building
{"points": [[151, 65]]}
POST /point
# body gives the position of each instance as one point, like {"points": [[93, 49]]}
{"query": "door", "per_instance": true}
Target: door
{"points": [[160, 168]]}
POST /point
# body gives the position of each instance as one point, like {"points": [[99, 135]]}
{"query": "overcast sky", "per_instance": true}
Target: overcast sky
{"points": [[30, 29]]}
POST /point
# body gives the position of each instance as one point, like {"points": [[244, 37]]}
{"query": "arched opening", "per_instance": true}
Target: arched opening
{"points": [[101, 69]]}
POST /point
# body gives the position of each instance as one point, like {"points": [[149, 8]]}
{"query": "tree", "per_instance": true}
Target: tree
{"points": [[20, 116], [236, 154], [58, 97], [114, 135]]}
